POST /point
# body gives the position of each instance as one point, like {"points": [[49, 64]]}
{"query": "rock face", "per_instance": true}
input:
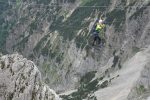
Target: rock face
{"points": [[141, 89], [55, 35], [131, 82], [21, 80]]}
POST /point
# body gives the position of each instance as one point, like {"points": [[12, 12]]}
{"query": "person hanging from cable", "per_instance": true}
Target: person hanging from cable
{"points": [[98, 29]]}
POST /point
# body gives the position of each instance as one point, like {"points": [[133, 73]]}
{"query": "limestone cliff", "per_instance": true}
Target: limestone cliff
{"points": [[21, 80]]}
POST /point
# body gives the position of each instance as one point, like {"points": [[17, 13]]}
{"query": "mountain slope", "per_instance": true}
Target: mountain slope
{"points": [[55, 34], [131, 77]]}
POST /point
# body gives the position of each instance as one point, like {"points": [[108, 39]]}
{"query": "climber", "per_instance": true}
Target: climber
{"points": [[98, 27]]}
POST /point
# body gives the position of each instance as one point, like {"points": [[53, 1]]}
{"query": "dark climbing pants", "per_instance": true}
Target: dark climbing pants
{"points": [[96, 39]]}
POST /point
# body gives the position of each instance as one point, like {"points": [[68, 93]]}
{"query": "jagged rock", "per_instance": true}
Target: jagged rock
{"points": [[141, 90], [21, 80]]}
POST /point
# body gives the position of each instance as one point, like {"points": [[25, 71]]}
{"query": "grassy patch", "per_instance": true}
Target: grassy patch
{"points": [[46, 50], [87, 86], [40, 44], [5, 26], [3, 36], [33, 26], [51, 71], [18, 2], [135, 49], [87, 77], [118, 17], [140, 89]]}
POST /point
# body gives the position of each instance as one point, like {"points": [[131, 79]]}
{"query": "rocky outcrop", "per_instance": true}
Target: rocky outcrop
{"points": [[141, 89], [55, 34], [21, 80]]}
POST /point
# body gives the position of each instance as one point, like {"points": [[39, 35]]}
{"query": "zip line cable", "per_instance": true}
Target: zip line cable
{"points": [[56, 29], [108, 22], [80, 6], [119, 7], [94, 7], [63, 5], [67, 25]]}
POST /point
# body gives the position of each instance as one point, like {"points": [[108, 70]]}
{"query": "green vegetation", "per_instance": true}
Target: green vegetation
{"points": [[115, 61], [3, 36], [76, 21], [51, 71], [104, 84], [135, 49], [123, 2], [85, 2], [40, 44], [140, 89], [5, 26], [18, 2], [87, 85], [33, 26], [117, 18], [73, 24], [97, 3], [119, 65], [43, 47], [132, 3], [71, 1], [4, 6], [87, 77], [43, 1], [23, 19], [2, 65], [10, 96], [59, 58], [46, 50]]}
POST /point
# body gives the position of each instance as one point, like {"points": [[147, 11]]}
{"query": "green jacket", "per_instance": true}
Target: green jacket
{"points": [[99, 28]]}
